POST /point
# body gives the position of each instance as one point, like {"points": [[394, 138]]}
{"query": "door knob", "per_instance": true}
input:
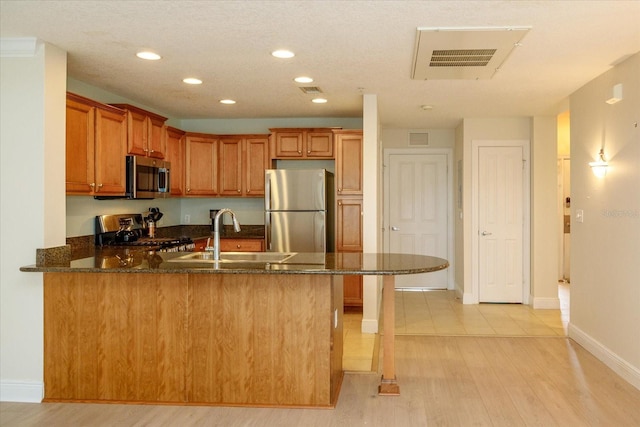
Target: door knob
{"points": [[485, 233], [395, 229]]}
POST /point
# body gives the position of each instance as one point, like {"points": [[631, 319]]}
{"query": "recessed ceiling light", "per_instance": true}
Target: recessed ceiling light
{"points": [[319, 100], [227, 101], [283, 53], [303, 79], [148, 55], [192, 81]]}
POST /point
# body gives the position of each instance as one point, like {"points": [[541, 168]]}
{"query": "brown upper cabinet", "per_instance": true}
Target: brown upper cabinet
{"points": [[348, 162], [295, 143], [201, 165], [96, 146], [176, 153], [242, 160], [146, 135]]}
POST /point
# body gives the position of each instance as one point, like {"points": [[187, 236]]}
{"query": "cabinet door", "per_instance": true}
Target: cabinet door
{"points": [[349, 225], [157, 145], [110, 152], [349, 164], [352, 291], [201, 166], [176, 155], [256, 161], [80, 125], [288, 144], [230, 182], [137, 133], [319, 144]]}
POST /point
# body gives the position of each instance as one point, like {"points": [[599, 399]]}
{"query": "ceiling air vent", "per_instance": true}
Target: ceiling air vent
{"points": [[463, 53], [461, 58], [419, 139], [311, 89]]}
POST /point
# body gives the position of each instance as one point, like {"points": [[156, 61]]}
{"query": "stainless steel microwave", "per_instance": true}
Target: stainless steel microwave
{"points": [[148, 178]]}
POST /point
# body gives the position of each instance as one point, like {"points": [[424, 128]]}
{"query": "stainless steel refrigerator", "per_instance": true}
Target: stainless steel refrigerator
{"points": [[299, 210]]}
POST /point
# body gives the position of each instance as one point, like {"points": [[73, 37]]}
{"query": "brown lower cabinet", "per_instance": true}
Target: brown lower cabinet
{"points": [[353, 294], [229, 339], [232, 245], [349, 239]]}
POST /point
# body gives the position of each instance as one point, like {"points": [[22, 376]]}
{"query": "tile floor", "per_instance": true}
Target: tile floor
{"points": [[441, 313]]}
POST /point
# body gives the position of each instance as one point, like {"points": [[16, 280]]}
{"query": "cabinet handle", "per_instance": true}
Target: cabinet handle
{"points": [[299, 152], [339, 203], [153, 151], [92, 185], [238, 190], [146, 150], [188, 190], [339, 190], [308, 151], [238, 246]]}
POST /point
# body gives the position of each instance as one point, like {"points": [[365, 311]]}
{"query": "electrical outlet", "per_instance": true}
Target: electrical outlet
{"points": [[187, 219]]}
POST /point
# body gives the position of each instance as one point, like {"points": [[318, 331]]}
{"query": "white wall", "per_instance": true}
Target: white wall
{"points": [[605, 248], [32, 150]]}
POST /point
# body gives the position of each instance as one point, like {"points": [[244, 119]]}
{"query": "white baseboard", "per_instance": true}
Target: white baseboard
{"points": [[546, 303], [369, 326], [468, 298], [26, 392], [620, 366]]}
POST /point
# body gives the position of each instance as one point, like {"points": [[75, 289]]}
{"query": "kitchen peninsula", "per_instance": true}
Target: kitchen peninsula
{"points": [[181, 328]]}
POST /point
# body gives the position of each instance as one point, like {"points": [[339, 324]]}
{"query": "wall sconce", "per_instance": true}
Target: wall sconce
{"points": [[600, 166]]}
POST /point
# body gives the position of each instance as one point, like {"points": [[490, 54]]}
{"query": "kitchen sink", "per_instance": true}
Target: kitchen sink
{"points": [[257, 257]]}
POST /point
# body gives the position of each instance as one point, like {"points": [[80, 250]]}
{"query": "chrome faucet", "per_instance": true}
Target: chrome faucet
{"points": [[216, 232]]}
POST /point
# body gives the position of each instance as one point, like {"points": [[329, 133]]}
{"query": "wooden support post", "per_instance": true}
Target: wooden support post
{"points": [[389, 385]]}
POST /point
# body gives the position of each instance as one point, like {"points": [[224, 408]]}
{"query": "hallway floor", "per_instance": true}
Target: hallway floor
{"points": [[440, 313]]}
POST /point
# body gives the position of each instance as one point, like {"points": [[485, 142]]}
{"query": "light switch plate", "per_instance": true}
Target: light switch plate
{"points": [[579, 215]]}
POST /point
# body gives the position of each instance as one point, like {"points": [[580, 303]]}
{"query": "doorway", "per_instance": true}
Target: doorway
{"points": [[564, 210], [418, 193], [500, 238]]}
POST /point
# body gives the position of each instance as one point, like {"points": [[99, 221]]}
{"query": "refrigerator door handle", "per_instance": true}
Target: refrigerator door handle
{"points": [[267, 192], [267, 229]]}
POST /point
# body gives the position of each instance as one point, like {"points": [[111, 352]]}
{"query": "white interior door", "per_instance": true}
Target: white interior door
{"points": [[418, 206], [500, 224]]}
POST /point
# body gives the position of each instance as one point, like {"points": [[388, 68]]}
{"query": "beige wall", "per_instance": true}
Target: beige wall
{"points": [[544, 214], [399, 138], [505, 128], [32, 207], [564, 134], [605, 248]]}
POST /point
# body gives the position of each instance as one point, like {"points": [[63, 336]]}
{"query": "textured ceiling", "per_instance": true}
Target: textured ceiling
{"points": [[348, 47]]}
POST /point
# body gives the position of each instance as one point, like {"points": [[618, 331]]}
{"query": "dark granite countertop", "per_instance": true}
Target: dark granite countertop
{"points": [[84, 246], [145, 261]]}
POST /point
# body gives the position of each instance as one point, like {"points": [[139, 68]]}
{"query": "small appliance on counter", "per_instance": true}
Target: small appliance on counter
{"points": [[130, 230]]}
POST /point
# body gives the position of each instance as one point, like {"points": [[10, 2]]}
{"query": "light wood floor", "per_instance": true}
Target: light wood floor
{"points": [[441, 313], [453, 380], [444, 381]]}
